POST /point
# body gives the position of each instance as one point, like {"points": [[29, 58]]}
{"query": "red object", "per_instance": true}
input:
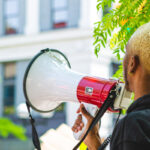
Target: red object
{"points": [[60, 25], [10, 31], [94, 90]]}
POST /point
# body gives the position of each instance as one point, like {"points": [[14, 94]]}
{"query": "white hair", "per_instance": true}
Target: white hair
{"points": [[139, 44]]}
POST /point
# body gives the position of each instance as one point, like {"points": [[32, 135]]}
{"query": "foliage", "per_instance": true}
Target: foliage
{"points": [[7, 127], [120, 23], [119, 73], [117, 26]]}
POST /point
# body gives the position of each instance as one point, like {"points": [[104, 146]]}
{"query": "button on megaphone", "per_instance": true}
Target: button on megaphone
{"points": [[49, 81]]}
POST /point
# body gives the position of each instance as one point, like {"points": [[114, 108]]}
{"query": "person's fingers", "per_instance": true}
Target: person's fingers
{"points": [[77, 128], [78, 125], [74, 129], [78, 121], [78, 110], [85, 113], [79, 117], [82, 124]]}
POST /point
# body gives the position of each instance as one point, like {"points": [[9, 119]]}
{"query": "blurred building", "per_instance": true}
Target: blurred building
{"points": [[28, 26]]}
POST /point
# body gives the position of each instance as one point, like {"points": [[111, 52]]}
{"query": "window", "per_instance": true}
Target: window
{"points": [[11, 17], [9, 88], [56, 14], [60, 13]]}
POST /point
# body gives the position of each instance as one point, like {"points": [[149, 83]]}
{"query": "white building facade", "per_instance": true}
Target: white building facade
{"points": [[28, 26]]}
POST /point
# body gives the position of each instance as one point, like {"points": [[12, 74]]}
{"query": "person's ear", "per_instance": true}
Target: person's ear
{"points": [[133, 64]]}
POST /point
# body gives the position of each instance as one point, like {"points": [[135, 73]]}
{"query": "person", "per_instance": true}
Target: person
{"points": [[133, 131]]}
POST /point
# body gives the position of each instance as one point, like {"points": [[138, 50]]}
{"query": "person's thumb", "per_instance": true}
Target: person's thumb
{"points": [[85, 113]]}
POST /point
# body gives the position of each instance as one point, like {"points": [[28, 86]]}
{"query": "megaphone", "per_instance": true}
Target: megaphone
{"points": [[49, 81]]}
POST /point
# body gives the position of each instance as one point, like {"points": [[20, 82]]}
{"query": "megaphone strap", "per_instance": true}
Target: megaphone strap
{"points": [[35, 137], [105, 143], [108, 139]]}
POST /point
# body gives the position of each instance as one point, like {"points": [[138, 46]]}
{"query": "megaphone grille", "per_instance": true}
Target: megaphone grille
{"points": [[40, 67]]}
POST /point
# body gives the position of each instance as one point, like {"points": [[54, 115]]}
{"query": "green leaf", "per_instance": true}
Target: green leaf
{"points": [[102, 43], [98, 6], [7, 127], [96, 41], [118, 56], [97, 49], [109, 32], [109, 3]]}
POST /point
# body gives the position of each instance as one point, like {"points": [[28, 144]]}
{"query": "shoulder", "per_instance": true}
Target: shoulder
{"points": [[136, 120], [134, 127]]}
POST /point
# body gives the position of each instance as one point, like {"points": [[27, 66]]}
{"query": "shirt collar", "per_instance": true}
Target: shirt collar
{"points": [[139, 104]]}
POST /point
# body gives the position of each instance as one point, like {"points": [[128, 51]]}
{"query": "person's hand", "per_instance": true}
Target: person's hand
{"points": [[92, 140]]}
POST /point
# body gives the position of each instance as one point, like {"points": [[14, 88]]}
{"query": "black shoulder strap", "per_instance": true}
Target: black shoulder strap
{"points": [[35, 137]]}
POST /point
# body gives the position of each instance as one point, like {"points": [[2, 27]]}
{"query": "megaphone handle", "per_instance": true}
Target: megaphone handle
{"points": [[92, 109]]}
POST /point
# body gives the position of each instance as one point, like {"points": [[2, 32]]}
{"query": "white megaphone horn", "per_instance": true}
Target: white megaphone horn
{"points": [[49, 81]]}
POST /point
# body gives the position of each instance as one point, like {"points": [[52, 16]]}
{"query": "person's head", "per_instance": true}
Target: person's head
{"points": [[136, 62]]}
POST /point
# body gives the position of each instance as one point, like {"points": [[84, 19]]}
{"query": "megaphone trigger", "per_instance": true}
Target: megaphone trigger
{"points": [[92, 109]]}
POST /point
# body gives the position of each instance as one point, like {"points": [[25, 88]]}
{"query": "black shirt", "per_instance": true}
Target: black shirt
{"points": [[133, 131]]}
